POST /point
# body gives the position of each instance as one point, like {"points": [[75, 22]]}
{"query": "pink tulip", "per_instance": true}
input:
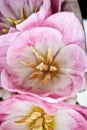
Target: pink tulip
{"points": [[59, 21], [19, 12], [29, 113], [20, 15], [40, 62]]}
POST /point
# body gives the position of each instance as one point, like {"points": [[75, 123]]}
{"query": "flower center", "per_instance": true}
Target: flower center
{"points": [[38, 120], [14, 22], [45, 68]]}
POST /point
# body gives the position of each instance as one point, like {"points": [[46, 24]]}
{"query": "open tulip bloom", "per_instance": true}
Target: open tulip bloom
{"points": [[25, 13], [29, 113], [38, 61]]}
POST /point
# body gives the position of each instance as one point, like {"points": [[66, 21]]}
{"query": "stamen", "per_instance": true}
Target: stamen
{"points": [[14, 22], [35, 115], [5, 30], [42, 67], [24, 120], [18, 21], [38, 120], [38, 56], [53, 68], [36, 74], [21, 121], [49, 56], [48, 127], [28, 64], [23, 14], [39, 123], [48, 118], [36, 10], [38, 128], [11, 21], [47, 78]]}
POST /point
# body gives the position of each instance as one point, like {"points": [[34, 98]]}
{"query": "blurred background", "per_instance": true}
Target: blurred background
{"points": [[83, 7]]}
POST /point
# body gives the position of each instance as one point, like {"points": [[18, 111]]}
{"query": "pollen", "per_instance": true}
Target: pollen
{"points": [[45, 68], [37, 119]]}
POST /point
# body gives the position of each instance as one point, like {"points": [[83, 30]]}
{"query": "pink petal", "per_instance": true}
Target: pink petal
{"points": [[36, 37], [69, 26], [69, 119], [7, 8], [36, 18], [72, 60], [5, 42]]}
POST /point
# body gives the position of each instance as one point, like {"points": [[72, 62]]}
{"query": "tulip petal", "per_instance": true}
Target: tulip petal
{"points": [[36, 18], [72, 59], [69, 119], [5, 42], [69, 26]]}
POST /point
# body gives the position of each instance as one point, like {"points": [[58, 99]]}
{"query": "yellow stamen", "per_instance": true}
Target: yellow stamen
{"points": [[36, 74], [28, 64], [5, 30], [35, 115], [14, 22], [36, 10], [42, 67], [38, 56], [23, 14], [49, 56], [48, 118], [11, 21], [39, 122], [21, 121], [37, 119], [53, 68], [47, 78], [46, 126], [38, 128]]}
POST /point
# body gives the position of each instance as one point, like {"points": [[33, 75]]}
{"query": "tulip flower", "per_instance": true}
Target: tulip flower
{"points": [[24, 15], [59, 21], [30, 113], [16, 13], [40, 62]]}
